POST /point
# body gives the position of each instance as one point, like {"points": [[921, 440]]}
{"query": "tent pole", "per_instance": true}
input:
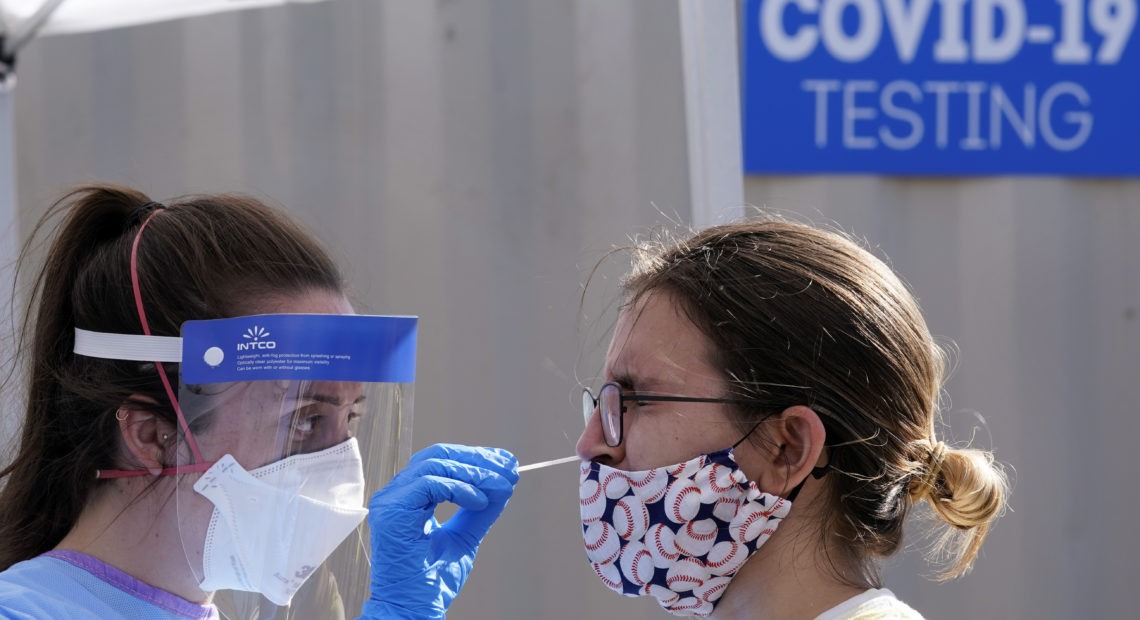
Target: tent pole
{"points": [[9, 251], [712, 110], [20, 34]]}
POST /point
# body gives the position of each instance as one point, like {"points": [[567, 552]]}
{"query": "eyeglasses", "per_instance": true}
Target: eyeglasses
{"points": [[610, 402]]}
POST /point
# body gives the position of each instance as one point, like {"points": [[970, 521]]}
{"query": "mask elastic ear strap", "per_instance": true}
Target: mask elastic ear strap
{"points": [[750, 431], [816, 472], [146, 330]]}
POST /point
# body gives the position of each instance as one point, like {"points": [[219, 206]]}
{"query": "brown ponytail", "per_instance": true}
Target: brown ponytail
{"points": [[967, 492], [202, 257]]}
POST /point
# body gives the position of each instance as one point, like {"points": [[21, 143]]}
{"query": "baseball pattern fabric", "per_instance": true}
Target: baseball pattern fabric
{"points": [[676, 533]]}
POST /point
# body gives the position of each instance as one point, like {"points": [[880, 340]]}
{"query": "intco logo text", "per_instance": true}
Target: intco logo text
{"points": [[255, 336]]}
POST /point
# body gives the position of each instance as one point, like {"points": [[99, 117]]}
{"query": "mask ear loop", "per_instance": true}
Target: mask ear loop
{"points": [[816, 472], [200, 464], [750, 431]]}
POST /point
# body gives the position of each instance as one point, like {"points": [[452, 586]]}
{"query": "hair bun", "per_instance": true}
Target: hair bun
{"points": [[928, 484], [967, 492]]}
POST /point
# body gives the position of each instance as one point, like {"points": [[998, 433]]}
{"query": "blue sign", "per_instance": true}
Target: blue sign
{"points": [[296, 347], [941, 87]]}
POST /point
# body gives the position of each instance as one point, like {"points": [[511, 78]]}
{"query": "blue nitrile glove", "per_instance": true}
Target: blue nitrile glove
{"points": [[419, 565]]}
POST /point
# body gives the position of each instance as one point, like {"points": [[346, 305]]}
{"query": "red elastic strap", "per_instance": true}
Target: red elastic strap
{"points": [[161, 374], [196, 468]]}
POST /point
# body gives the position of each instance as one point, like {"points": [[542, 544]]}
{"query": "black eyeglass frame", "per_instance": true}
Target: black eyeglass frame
{"points": [[594, 404]]}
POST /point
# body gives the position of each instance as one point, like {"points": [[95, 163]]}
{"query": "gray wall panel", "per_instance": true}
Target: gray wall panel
{"points": [[1035, 280]]}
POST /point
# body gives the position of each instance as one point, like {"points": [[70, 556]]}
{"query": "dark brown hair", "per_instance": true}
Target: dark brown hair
{"points": [[802, 316], [201, 257]]}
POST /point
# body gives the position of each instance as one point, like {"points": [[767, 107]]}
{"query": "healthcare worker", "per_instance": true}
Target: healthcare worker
{"points": [[765, 424], [206, 417]]}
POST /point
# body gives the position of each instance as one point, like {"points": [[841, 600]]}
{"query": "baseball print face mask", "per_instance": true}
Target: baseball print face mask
{"points": [[677, 533]]}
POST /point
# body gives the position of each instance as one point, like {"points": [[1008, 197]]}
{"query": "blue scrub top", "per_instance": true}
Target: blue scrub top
{"points": [[69, 584]]}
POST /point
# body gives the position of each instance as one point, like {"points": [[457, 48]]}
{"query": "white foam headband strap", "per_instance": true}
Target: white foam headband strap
{"points": [[129, 347]]}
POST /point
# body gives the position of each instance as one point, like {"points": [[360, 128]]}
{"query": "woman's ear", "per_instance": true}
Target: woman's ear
{"points": [[795, 439], [145, 435]]}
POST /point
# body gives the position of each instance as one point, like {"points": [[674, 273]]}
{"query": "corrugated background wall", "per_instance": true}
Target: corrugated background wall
{"points": [[1037, 282], [469, 161]]}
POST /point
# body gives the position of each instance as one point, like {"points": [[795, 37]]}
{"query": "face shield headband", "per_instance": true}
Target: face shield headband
{"points": [[270, 349], [354, 348]]}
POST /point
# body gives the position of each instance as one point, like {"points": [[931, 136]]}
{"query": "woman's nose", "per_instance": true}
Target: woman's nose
{"points": [[592, 443], [335, 430]]}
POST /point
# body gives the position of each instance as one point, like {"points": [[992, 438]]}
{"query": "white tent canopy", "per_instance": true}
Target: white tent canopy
{"points": [[72, 16]]}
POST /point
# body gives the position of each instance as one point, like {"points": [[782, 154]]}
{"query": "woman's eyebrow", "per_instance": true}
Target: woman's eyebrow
{"points": [[634, 382], [329, 399]]}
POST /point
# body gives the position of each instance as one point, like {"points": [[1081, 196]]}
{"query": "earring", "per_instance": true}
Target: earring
{"points": [[121, 415], [165, 436]]}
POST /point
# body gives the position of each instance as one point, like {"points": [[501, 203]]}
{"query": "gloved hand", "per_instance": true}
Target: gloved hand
{"points": [[419, 565]]}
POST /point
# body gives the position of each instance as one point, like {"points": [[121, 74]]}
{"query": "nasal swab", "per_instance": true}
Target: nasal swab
{"points": [[549, 463]]}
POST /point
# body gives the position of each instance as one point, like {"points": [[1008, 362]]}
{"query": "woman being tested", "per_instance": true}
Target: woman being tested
{"points": [[765, 425], [199, 398]]}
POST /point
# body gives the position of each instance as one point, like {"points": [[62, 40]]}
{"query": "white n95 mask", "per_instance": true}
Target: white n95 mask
{"points": [[274, 525], [677, 533]]}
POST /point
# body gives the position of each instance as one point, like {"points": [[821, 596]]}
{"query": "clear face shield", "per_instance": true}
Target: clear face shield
{"points": [[288, 423]]}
